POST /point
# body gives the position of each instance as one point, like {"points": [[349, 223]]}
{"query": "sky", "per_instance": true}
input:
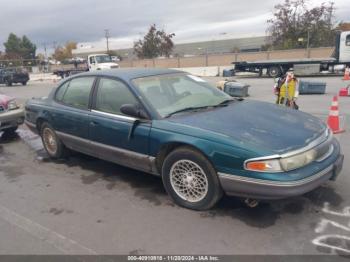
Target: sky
{"points": [[53, 23]]}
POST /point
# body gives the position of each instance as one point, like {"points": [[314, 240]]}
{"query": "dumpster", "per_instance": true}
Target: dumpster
{"points": [[228, 72], [236, 89], [306, 87]]}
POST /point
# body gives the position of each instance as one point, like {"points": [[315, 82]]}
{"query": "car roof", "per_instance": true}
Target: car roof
{"points": [[130, 73]]}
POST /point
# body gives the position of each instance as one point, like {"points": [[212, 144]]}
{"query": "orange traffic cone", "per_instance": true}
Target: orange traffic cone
{"points": [[333, 118], [347, 74]]}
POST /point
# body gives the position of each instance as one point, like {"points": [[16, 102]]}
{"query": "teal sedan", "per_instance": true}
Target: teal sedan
{"points": [[202, 142]]}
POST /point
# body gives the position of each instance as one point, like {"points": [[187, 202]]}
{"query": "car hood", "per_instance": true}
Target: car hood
{"points": [[266, 126], [4, 99]]}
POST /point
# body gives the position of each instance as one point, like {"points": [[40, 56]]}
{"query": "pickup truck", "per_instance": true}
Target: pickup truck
{"points": [[94, 62], [305, 66], [10, 76]]}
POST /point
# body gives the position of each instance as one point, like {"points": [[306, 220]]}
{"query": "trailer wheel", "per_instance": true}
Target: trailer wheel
{"points": [[274, 71]]}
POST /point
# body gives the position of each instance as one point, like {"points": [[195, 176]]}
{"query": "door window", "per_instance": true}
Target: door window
{"points": [[78, 91], [61, 90], [111, 95], [347, 41]]}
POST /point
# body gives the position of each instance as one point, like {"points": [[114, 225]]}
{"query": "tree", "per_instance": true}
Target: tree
{"points": [[155, 43], [62, 53], [294, 22], [16, 47]]}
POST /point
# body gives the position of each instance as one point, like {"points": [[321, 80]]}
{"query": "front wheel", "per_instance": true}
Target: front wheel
{"points": [[274, 71], [52, 144], [190, 179]]}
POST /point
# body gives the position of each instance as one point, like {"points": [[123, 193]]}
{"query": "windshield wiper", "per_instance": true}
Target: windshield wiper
{"points": [[192, 108], [226, 102]]}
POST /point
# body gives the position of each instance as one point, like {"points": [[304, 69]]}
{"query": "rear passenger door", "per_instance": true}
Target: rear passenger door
{"points": [[71, 113], [110, 129]]}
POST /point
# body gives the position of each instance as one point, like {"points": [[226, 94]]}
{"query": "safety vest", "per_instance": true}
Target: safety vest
{"points": [[288, 91]]}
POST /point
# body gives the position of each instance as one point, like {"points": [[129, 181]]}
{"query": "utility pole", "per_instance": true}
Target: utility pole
{"points": [[45, 49], [54, 45], [107, 37]]}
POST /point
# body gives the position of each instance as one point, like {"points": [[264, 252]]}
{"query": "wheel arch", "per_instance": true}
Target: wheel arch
{"points": [[167, 148], [40, 120]]}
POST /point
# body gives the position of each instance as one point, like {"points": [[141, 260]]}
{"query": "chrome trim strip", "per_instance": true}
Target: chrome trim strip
{"points": [[120, 117], [275, 183], [325, 137], [122, 156]]}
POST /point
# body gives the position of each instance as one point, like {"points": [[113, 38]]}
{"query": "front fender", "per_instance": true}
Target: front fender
{"points": [[222, 156]]}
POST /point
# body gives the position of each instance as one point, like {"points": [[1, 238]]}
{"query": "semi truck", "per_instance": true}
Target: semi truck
{"points": [[94, 62], [305, 66]]}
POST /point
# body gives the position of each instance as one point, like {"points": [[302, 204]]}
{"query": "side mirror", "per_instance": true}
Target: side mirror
{"points": [[133, 110]]}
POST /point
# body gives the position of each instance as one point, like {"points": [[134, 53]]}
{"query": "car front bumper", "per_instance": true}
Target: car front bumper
{"points": [[11, 118], [265, 189]]}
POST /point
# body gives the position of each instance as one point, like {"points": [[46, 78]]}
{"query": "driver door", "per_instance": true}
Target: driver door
{"points": [[116, 137], [92, 63]]}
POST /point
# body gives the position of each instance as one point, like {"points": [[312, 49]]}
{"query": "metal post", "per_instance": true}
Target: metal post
{"points": [[308, 43], [107, 37], [206, 57]]}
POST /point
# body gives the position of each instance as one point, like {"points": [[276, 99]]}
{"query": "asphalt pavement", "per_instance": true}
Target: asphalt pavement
{"points": [[83, 205]]}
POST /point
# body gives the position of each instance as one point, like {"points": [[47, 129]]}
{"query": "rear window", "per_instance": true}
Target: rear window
{"points": [[76, 92]]}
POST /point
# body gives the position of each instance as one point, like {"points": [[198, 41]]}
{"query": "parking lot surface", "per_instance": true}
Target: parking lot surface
{"points": [[82, 205]]}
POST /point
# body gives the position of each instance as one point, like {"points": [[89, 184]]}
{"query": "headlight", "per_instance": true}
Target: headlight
{"points": [[281, 164], [299, 160], [12, 105], [291, 160]]}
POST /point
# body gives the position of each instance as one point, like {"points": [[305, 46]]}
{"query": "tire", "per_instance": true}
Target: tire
{"points": [[8, 83], [52, 144], [24, 83], [186, 158], [274, 71], [11, 130]]}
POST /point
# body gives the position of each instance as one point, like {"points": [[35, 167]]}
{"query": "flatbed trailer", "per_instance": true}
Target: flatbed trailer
{"points": [[94, 62], [276, 68]]}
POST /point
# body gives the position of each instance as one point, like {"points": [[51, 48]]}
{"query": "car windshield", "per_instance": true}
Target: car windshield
{"points": [[103, 59], [173, 93]]}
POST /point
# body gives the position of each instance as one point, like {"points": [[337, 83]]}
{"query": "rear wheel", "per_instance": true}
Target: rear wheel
{"points": [[274, 71], [52, 144], [190, 179], [8, 82]]}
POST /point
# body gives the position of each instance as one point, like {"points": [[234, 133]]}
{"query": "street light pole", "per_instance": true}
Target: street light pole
{"points": [[107, 37]]}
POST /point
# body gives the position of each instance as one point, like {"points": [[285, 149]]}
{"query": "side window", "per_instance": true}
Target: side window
{"points": [[111, 95], [78, 92], [61, 90], [92, 60], [347, 40]]}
